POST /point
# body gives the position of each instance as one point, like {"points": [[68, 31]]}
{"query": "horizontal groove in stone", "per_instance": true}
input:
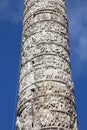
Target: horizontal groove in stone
{"points": [[34, 69], [36, 13], [62, 112], [28, 28], [45, 81], [27, 87], [59, 45], [42, 31], [45, 21], [28, 36], [51, 94], [30, 33], [25, 35], [29, 7], [45, 54], [49, 128], [22, 106]]}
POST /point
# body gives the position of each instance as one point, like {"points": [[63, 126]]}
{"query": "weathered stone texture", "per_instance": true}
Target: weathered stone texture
{"points": [[46, 92]]}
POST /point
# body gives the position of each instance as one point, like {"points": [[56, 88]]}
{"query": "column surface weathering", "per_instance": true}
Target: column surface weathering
{"points": [[46, 93]]}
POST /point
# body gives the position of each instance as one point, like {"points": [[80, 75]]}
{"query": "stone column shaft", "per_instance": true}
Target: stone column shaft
{"points": [[46, 92]]}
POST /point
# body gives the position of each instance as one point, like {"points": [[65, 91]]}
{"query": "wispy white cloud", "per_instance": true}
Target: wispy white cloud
{"points": [[82, 49], [78, 30], [11, 11], [3, 3], [77, 14], [77, 20]]}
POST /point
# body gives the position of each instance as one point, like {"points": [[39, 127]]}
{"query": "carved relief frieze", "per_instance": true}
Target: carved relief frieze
{"points": [[46, 99]]}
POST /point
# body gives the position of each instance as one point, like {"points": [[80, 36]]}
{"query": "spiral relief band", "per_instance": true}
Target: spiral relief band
{"points": [[46, 99]]}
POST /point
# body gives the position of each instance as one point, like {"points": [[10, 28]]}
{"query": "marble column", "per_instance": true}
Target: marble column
{"points": [[46, 98]]}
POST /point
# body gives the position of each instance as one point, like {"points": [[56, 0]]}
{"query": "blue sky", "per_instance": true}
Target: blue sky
{"points": [[11, 16]]}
